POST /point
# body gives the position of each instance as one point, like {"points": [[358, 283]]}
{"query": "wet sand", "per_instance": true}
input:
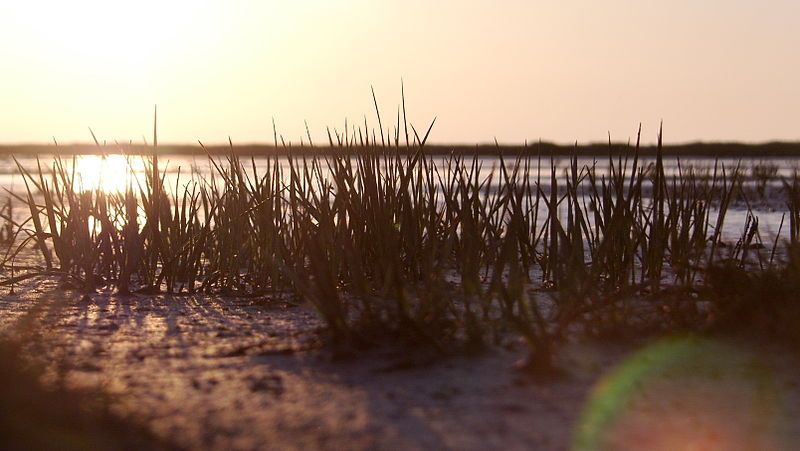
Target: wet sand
{"points": [[219, 373]]}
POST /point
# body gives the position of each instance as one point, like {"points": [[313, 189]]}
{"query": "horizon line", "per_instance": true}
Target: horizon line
{"points": [[305, 143]]}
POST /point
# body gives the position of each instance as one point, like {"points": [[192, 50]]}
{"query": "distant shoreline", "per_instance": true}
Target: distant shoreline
{"points": [[762, 150]]}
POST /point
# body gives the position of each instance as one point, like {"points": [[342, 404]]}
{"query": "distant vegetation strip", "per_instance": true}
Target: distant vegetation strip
{"points": [[721, 150]]}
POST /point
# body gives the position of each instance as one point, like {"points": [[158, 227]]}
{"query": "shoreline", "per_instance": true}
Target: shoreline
{"points": [[709, 150]]}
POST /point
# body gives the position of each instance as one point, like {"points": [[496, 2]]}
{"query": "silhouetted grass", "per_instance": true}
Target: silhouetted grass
{"points": [[386, 240]]}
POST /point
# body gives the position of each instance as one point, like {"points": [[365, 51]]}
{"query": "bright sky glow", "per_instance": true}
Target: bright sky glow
{"points": [[515, 70]]}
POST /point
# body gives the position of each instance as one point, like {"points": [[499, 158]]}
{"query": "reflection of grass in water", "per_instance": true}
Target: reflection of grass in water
{"points": [[683, 394], [33, 417]]}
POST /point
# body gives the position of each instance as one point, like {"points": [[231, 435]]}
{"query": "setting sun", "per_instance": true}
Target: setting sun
{"points": [[399, 224], [131, 38], [556, 71]]}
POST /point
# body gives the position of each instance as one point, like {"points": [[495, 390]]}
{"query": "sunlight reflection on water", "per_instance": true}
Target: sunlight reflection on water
{"points": [[109, 173]]}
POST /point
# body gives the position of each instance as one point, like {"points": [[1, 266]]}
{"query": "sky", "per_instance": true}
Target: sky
{"points": [[560, 70]]}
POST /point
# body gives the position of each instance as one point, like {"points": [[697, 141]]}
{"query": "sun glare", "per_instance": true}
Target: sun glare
{"points": [[127, 37], [110, 173]]}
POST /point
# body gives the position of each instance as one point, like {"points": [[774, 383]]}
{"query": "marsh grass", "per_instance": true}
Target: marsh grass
{"points": [[388, 242]]}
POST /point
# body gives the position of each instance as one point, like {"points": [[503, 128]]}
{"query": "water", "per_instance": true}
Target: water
{"points": [[115, 172]]}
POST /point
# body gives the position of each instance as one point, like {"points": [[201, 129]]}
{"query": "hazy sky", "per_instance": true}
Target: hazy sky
{"points": [[561, 70]]}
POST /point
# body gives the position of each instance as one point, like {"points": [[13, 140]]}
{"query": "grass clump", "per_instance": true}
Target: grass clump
{"points": [[387, 241]]}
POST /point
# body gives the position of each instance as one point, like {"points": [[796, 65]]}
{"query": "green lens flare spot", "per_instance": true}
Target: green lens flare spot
{"points": [[683, 394]]}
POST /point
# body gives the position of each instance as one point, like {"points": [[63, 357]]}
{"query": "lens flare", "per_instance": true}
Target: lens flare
{"points": [[683, 394]]}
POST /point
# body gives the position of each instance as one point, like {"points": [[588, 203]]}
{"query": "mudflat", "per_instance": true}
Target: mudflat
{"points": [[204, 372]]}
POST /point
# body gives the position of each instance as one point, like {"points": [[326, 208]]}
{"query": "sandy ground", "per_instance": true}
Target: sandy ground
{"points": [[214, 373]]}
